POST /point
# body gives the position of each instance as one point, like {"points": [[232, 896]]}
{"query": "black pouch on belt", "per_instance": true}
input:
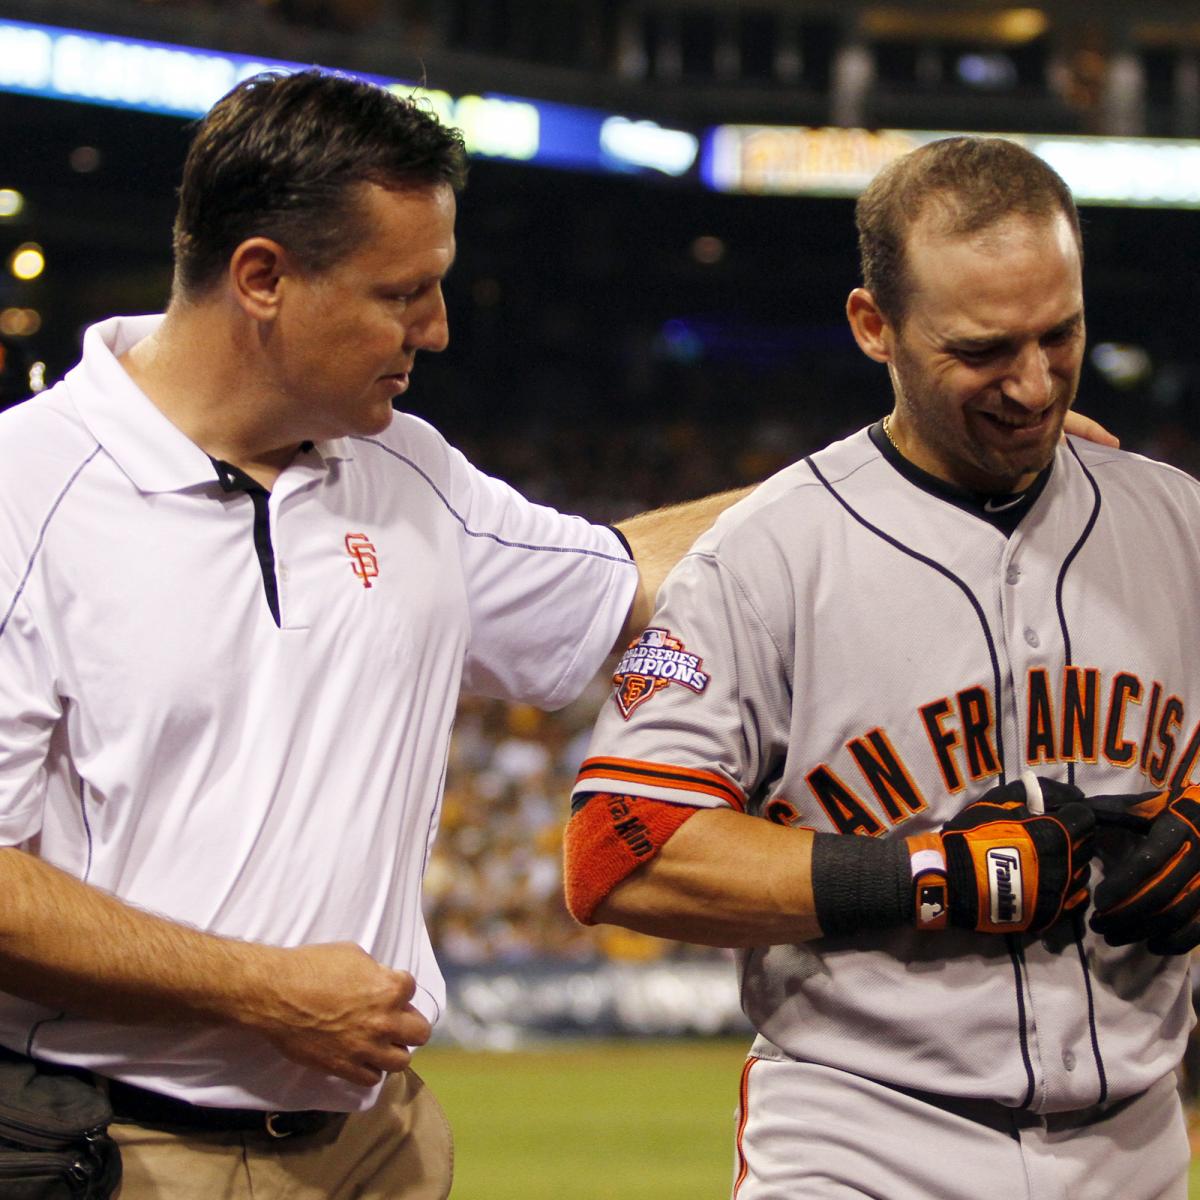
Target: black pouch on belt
{"points": [[54, 1142]]}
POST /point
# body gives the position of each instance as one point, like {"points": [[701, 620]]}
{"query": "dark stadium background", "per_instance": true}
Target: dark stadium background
{"points": [[604, 360]]}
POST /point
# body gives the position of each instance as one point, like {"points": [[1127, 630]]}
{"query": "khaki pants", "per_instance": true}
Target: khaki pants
{"points": [[399, 1150]]}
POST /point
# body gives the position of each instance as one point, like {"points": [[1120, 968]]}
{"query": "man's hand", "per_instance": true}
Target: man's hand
{"points": [[1078, 425], [1009, 867], [334, 1008], [1152, 893]]}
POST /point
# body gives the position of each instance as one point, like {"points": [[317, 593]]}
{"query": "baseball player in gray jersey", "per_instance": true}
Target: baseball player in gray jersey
{"points": [[944, 662]]}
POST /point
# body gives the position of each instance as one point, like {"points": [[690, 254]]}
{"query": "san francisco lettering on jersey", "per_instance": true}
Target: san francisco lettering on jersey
{"points": [[1081, 717]]}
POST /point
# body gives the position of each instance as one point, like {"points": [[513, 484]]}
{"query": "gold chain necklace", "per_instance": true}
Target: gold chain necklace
{"points": [[887, 432]]}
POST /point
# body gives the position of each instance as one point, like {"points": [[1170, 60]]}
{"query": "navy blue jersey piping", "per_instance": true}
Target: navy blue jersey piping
{"points": [[1072, 554], [1068, 660], [942, 570], [234, 479], [1014, 951], [484, 533], [37, 545], [1017, 956], [1101, 1074], [620, 538], [264, 550], [87, 829]]}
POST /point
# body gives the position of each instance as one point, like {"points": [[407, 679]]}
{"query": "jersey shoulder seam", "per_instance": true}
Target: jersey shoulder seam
{"points": [[1141, 461], [585, 551], [56, 504], [744, 590]]}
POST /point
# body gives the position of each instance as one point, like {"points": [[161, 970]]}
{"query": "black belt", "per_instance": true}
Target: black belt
{"points": [[1011, 1121], [143, 1107]]}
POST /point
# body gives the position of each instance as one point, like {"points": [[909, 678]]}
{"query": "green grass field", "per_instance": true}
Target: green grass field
{"points": [[595, 1121]]}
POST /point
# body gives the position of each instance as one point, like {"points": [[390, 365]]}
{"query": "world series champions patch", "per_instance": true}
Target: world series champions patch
{"points": [[649, 664]]}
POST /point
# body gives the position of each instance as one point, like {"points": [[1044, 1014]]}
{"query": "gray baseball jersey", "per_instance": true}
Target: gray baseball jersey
{"points": [[849, 651]]}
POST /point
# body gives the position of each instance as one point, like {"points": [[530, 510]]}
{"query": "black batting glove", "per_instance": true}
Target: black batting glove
{"points": [[1152, 893]]}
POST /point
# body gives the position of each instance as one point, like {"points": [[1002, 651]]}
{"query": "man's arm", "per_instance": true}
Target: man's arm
{"points": [[722, 879], [719, 877], [77, 948], [659, 539]]}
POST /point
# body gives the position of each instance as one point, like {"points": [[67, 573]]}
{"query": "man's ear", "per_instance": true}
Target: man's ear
{"points": [[872, 331], [256, 270]]}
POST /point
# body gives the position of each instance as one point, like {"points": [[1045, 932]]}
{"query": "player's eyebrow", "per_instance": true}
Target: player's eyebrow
{"points": [[1004, 341], [1070, 325]]}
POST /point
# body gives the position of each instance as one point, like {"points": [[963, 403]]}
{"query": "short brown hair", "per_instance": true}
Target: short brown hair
{"points": [[280, 157], [975, 181]]}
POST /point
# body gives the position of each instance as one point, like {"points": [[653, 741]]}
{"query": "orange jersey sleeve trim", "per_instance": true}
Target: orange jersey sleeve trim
{"points": [[608, 839], [661, 775]]}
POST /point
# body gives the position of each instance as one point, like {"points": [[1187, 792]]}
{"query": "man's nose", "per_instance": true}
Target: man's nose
{"points": [[1029, 383]]}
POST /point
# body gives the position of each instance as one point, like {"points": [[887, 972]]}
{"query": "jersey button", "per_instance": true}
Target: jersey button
{"points": [[1012, 574], [1032, 638], [1069, 1060]]}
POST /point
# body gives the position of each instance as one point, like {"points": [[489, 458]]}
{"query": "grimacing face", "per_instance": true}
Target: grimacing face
{"points": [[986, 361]]}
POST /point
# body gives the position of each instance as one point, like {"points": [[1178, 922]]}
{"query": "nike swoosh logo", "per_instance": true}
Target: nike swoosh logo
{"points": [[992, 507]]}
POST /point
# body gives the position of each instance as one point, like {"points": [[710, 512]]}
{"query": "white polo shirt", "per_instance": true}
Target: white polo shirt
{"points": [[163, 737]]}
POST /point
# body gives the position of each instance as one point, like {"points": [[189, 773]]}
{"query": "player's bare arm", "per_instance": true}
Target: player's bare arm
{"points": [[718, 877], [659, 539], [692, 890], [74, 947]]}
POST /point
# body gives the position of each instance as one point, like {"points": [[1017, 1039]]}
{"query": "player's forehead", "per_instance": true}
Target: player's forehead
{"points": [[1019, 274], [933, 245]]}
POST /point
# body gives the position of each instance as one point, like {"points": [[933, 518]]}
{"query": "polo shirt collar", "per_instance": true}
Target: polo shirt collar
{"points": [[153, 452]]}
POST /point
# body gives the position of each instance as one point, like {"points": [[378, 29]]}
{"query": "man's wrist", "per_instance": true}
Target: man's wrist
{"points": [[860, 883]]}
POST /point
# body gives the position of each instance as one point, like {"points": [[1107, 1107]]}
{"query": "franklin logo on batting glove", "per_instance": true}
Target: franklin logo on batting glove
{"points": [[1004, 884]]}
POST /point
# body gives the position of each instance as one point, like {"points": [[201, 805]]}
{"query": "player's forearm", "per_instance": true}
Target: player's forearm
{"points": [[721, 880], [659, 539], [74, 947]]}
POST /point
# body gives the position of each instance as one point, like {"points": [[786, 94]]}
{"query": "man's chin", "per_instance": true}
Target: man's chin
{"points": [[377, 419], [1015, 475]]}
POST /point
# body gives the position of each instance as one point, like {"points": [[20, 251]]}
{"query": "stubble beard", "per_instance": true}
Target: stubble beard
{"points": [[964, 459]]}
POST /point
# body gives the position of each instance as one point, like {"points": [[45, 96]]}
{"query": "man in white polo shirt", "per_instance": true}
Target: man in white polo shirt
{"points": [[239, 599]]}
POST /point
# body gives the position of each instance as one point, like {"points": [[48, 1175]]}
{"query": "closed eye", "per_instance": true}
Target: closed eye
{"points": [[1061, 335], [977, 356]]}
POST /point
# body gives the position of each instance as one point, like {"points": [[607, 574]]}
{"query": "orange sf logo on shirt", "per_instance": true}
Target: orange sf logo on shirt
{"points": [[364, 560]]}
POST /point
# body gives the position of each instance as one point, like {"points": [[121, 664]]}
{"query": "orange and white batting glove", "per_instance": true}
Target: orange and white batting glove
{"points": [[1002, 865], [999, 867]]}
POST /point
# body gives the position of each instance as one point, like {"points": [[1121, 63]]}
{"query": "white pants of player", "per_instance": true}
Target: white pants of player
{"points": [[808, 1132]]}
